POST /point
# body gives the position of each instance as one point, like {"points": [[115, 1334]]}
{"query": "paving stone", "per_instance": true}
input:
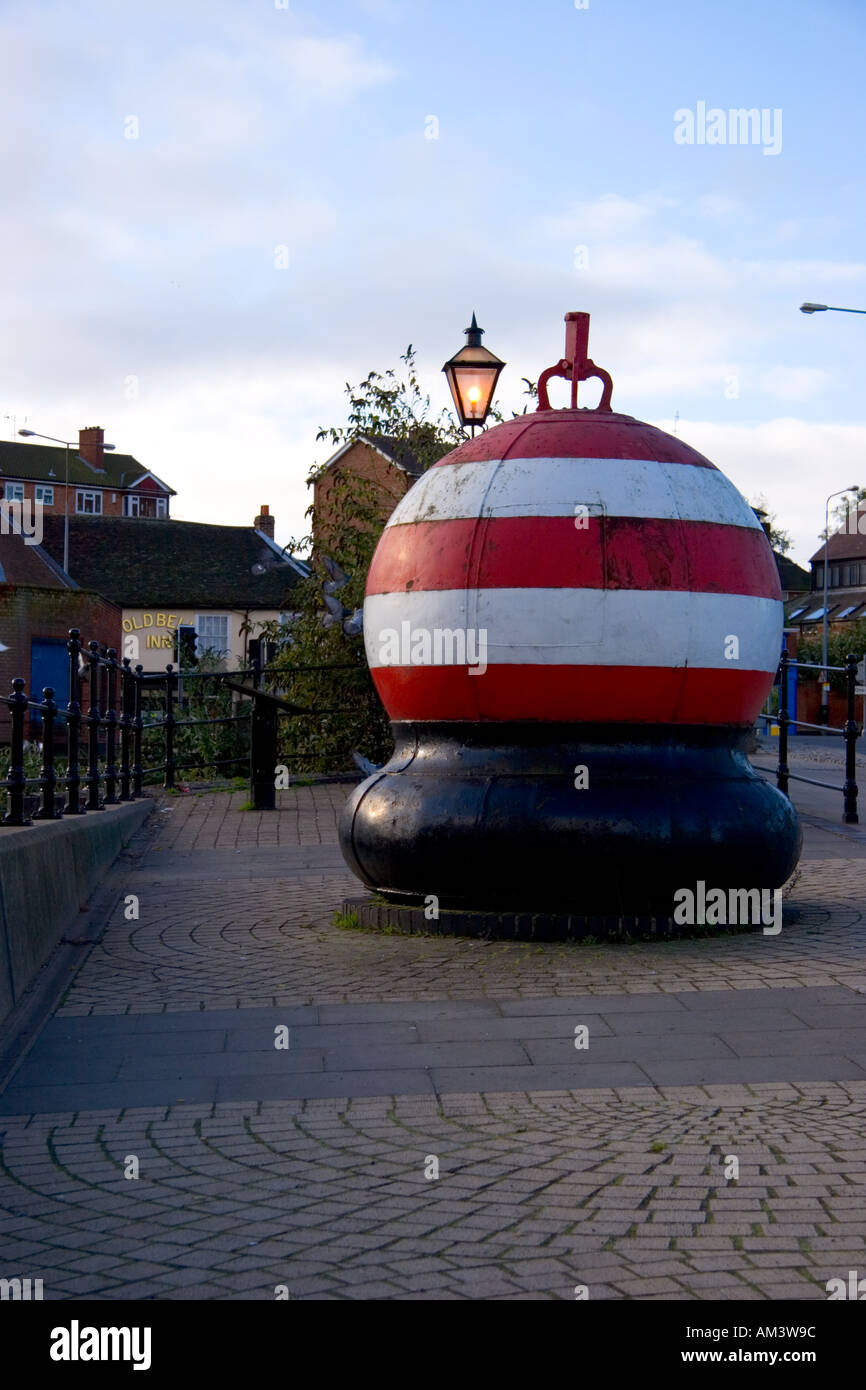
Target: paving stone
{"points": [[549, 1174]]}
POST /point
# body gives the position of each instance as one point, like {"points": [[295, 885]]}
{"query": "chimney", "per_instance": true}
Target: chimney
{"points": [[90, 442], [265, 522]]}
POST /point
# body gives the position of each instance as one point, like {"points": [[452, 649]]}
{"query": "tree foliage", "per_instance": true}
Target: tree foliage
{"points": [[779, 540], [839, 644], [386, 403], [318, 666]]}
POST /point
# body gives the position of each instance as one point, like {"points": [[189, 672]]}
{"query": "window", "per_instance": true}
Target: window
{"points": [[162, 506], [130, 506], [44, 494], [14, 492], [846, 612], [212, 633], [813, 617], [819, 577], [796, 613], [88, 503], [834, 576]]}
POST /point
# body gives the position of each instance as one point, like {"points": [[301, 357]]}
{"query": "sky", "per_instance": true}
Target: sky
{"points": [[215, 215]]}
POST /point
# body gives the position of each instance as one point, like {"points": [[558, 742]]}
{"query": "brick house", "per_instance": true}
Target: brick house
{"points": [[39, 603], [101, 483], [388, 464], [846, 580], [176, 582]]}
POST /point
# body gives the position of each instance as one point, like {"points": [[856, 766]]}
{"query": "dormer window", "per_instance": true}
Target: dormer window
{"points": [[144, 505]]}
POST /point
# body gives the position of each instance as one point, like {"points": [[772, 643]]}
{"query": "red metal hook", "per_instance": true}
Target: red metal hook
{"points": [[575, 365]]}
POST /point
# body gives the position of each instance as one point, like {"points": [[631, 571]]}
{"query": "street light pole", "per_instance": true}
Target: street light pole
{"points": [[66, 516], [824, 716]]}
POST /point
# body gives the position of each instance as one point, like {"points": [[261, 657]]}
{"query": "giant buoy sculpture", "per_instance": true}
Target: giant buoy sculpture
{"points": [[572, 621]]}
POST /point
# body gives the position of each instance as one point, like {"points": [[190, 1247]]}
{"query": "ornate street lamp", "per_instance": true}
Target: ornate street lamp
{"points": [[472, 375]]}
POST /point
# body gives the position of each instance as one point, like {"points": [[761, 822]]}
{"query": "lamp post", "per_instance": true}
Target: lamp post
{"points": [[824, 716], [472, 375], [809, 308], [34, 434]]}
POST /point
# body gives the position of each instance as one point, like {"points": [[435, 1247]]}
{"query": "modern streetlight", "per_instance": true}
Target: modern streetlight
{"points": [[824, 716], [472, 375], [34, 434], [808, 308]]}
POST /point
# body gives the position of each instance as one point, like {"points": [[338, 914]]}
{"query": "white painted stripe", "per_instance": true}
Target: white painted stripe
{"points": [[552, 487], [596, 627]]}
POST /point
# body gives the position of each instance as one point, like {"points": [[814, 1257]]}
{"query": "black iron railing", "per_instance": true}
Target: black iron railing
{"points": [[125, 707], [850, 732]]}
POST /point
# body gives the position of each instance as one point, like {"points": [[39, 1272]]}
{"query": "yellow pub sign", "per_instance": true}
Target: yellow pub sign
{"points": [[160, 628]]}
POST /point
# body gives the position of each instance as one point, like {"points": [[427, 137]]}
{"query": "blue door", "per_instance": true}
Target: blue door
{"points": [[49, 665]]}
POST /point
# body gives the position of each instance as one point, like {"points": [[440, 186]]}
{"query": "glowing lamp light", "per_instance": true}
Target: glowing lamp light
{"points": [[472, 376]]}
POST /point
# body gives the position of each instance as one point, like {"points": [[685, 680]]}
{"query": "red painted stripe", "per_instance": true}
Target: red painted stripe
{"points": [[538, 552], [562, 694], [576, 434]]}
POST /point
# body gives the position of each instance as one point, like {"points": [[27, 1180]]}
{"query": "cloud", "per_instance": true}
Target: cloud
{"points": [[795, 463], [718, 206], [331, 69], [793, 383]]}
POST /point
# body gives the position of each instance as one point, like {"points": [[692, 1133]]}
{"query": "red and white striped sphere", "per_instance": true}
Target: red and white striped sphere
{"points": [[608, 564]]}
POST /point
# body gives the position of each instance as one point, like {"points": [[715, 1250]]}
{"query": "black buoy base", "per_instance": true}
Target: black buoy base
{"points": [[576, 820], [414, 919]]}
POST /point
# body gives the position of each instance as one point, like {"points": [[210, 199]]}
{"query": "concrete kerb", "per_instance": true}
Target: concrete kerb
{"points": [[48, 873]]}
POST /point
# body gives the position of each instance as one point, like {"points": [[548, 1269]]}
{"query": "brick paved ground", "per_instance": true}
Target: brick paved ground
{"points": [[621, 1188]]}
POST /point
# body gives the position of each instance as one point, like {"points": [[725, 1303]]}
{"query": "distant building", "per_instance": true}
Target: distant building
{"points": [[846, 580], [388, 464], [38, 606], [100, 483], [181, 582]]}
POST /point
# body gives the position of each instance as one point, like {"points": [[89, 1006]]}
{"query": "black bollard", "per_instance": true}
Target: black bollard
{"points": [[93, 722], [127, 696], [852, 733], [111, 797], [16, 781], [782, 772], [73, 727], [168, 778], [136, 733], [47, 774]]}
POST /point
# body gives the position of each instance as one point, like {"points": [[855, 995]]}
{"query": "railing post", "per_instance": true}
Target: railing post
{"points": [[852, 733], [168, 779], [73, 727], [126, 679], [47, 775], [782, 772], [111, 797], [263, 753], [16, 781], [136, 733], [93, 719]]}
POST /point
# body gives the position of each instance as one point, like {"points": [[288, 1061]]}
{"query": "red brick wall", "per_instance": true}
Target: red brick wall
{"points": [[391, 483], [809, 703], [26, 613]]}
